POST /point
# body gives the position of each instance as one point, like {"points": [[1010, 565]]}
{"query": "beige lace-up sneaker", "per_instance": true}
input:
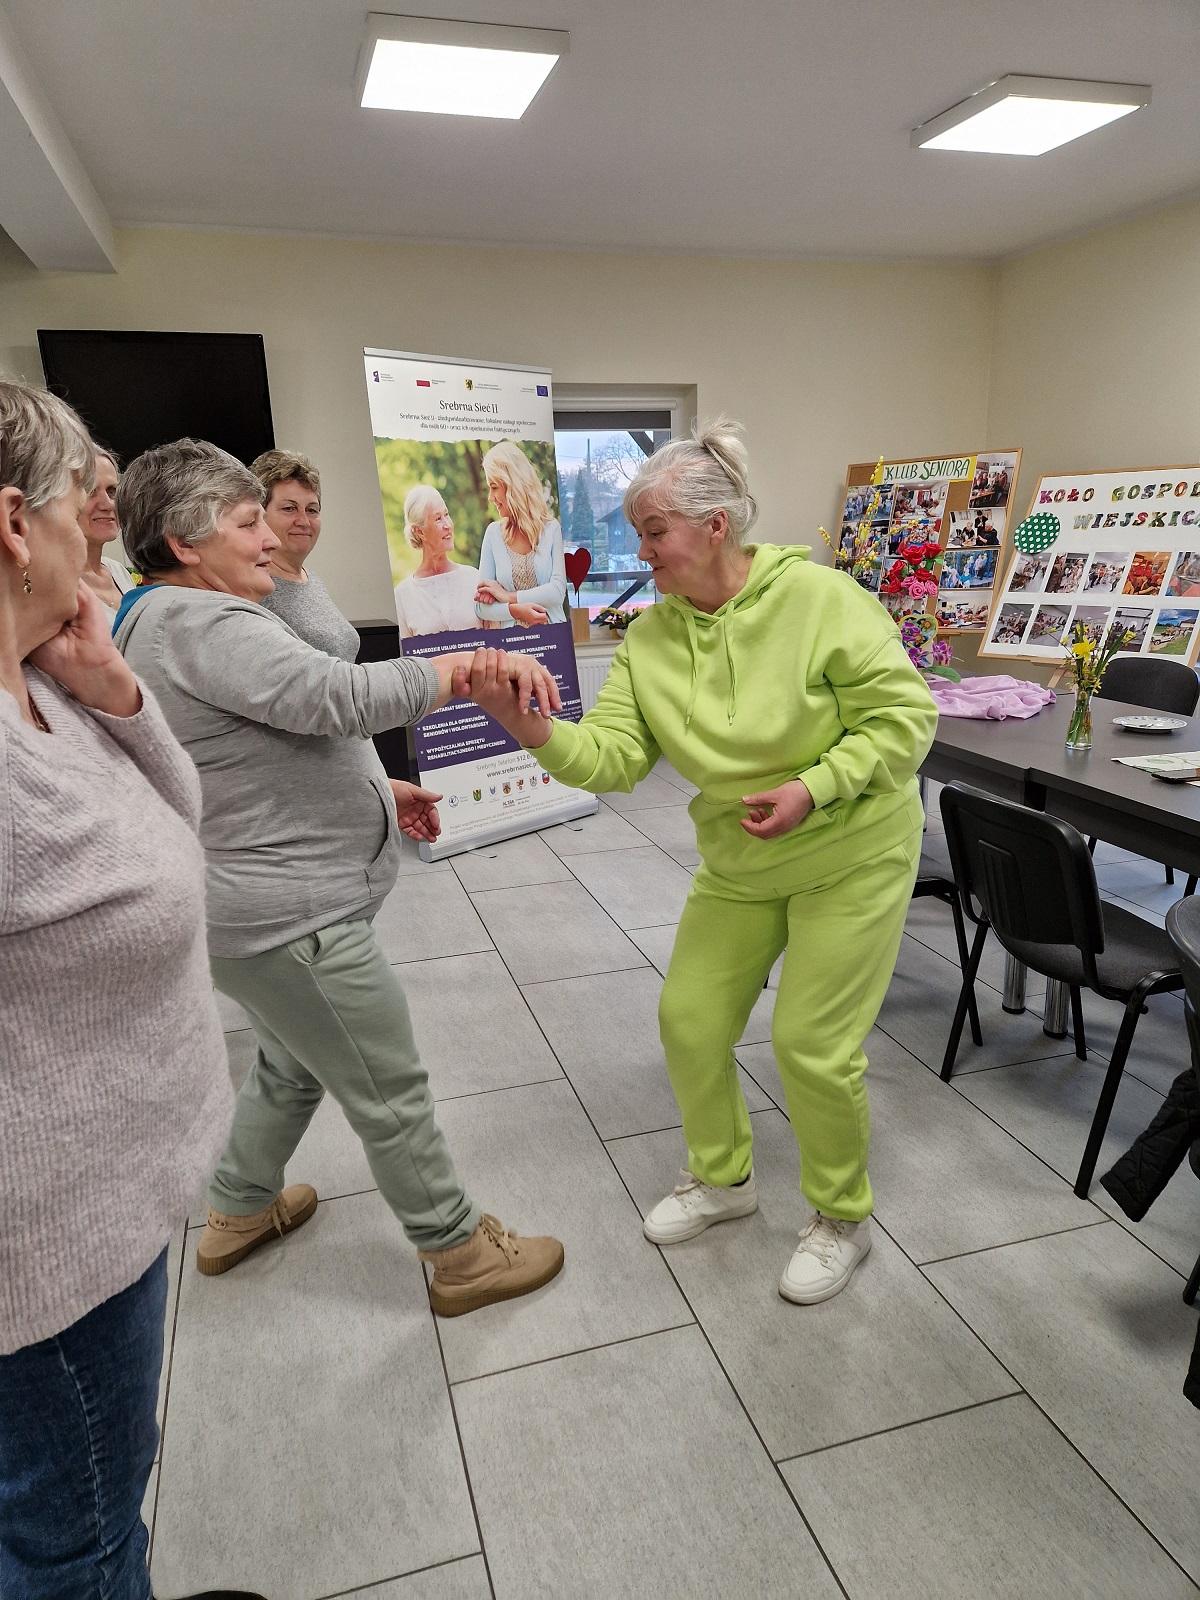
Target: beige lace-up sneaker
{"points": [[494, 1264], [228, 1240]]}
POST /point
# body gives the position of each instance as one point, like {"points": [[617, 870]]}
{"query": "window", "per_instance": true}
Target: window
{"points": [[598, 453]]}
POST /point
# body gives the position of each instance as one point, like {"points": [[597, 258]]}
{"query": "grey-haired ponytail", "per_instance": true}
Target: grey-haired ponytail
{"points": [[698, 477]]}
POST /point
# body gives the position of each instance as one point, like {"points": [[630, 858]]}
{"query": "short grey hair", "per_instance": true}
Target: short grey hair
{"points": [[418, 503], [698, 477], [178, 491], [45, 449]]}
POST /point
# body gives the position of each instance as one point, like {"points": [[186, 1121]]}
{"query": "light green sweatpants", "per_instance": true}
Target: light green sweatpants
{"points": [[329, 1013], [842, 936]]}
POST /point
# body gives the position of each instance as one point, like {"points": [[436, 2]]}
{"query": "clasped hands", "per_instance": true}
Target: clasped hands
{"points": [[508, 686], [526, 613]]}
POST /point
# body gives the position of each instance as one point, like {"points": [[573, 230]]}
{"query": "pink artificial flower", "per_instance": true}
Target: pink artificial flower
{"points": [[917, 585]]}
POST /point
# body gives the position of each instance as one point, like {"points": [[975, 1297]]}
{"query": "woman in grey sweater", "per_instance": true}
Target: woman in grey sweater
{"points": [[301, 834], [292, 509], [114, 1090]]}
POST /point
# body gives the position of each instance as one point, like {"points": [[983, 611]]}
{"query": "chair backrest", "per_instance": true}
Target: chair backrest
{"points": [[1030, 873], [1183, 928], [1153, 681]]}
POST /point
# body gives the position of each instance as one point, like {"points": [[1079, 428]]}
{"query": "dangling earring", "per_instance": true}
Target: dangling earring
{"points": [[28, 585]]}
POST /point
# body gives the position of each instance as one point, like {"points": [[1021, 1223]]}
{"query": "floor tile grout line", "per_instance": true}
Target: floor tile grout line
{"points": [[1006, 1244], [642, 1133], [1090, 1465], [1126, 1226], [722, 1368], [1064, 1178], [1094, 1054], [492, 949], [1103, 1216], [624, 931], [462, 1454], [1028, 1061], [902, 1427], [702, 1331], [1107, 1216], [567, 1355], [417, 1572], [535, 983], [951, 961]]}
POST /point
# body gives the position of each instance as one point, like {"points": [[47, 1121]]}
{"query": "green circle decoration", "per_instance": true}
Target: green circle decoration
{"points": [[1037, 532]]}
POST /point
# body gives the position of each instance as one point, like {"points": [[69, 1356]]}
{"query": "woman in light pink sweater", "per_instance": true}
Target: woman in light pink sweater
{"points": [[114, 1093]]}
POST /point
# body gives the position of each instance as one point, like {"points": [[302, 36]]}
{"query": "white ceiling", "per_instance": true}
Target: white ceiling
{"points": [[769, 126]]}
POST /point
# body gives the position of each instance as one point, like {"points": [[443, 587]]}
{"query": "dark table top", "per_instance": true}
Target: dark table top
{"points": [[1090, 788]]}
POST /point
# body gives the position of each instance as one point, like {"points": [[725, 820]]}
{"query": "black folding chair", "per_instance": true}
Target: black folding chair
{"points": [[931, 885], [1160, 683], [1029, 878], [1183, 928]]}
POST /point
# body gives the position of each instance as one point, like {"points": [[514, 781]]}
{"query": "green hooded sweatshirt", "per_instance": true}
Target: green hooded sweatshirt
{"points": [[800, 675]]}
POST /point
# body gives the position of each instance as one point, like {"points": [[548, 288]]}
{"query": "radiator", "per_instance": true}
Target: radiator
{"points": [[593, 669]]}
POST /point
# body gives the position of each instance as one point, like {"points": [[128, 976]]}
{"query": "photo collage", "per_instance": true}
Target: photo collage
{"points": [[1154, 595], [967, 515]]}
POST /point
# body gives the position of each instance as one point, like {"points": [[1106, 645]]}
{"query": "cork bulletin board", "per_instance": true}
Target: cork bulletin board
{"points": [[1103, 549], [961, 501]]}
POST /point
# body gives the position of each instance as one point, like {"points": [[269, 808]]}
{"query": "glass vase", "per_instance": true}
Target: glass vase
{"points": [[1079, 729]]}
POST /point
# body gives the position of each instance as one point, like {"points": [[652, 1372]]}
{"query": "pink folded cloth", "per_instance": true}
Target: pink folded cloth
{"points": [[991, 698]]}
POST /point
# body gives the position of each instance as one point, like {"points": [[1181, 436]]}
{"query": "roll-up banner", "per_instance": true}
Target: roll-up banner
{"points": [[465, 456]]}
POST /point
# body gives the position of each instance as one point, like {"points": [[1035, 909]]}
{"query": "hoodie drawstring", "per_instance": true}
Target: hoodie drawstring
{"points": [[731, 708], [695, 685], [693, 644]]}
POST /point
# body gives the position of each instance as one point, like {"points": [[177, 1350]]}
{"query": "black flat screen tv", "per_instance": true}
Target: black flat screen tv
{"points": [[138, 390]]}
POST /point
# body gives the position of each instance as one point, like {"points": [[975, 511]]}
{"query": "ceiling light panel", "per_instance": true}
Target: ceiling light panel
{"points": [[1024, 116], [461, 69]]}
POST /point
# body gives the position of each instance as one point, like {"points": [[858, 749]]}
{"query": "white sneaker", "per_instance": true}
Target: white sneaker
{"points": [[694, 1206], [828, 1252]]}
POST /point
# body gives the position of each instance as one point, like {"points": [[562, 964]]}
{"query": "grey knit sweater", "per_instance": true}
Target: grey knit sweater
{"points": [[308, 609], [115, 1099], [299, 825]]}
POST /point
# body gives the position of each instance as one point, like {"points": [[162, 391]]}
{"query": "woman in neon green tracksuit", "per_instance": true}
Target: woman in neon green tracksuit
{"points": [[782, 691]]}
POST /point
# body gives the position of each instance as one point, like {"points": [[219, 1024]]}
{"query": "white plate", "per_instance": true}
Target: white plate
{"points": [[1150, 724]]}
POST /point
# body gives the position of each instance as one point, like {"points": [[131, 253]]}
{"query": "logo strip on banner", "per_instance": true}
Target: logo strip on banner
{"points": [[467, 475]]}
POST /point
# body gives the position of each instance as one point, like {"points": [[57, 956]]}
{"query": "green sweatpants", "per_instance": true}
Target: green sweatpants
{"points": [[329, 1013], [842, 936]]}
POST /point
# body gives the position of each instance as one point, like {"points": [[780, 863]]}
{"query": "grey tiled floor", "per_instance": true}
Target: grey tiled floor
{"points": [[992, 1408]]}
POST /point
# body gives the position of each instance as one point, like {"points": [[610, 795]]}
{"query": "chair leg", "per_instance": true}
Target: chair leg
{"points": [[1112, 1082], [1193, 1285], [1169, 874], [1091, 844], [1077, 1022], [1191, 884], [960, 933], [965, 996]]}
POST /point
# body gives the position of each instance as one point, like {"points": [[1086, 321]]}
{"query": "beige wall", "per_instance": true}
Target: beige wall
{"points": [[825, 362], [1096, 352], [1085, 353]]}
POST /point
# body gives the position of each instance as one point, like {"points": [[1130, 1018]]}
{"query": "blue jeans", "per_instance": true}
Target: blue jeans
{"points": [[77, 1441]]}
